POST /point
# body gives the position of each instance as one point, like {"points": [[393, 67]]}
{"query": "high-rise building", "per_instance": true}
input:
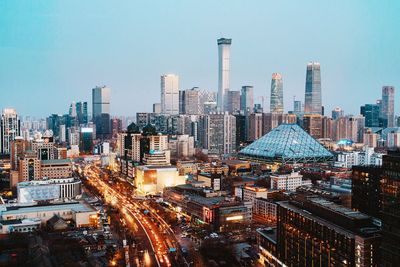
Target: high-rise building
{"points": [[247, 99], [170, 94], [387, 110], [276, 104], [376, 191], [390, 212], [219, 133], [82, 112], [10, 127], [371, 113], [224, 51], [101, 110], [191, 101], [337, 113], [233, 101], [297, 108], [86, 140], [255, 129], [313, 101], [312, 124]]}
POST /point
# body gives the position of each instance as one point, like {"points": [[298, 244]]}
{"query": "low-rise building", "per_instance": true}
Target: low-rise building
{"points": [[287, 182]]}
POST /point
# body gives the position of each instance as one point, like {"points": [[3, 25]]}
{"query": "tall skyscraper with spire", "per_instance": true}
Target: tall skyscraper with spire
{"points": [[313, 101], [224, 55], [276, 102]]}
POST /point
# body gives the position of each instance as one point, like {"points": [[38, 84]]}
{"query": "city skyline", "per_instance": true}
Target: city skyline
{"points": [[50, 61]]}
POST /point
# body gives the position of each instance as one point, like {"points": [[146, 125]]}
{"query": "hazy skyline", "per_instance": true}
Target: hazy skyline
{"points": [[55, 52]]}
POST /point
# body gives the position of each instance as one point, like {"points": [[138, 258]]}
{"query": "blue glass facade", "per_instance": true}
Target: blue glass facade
{"points": [[287, 143]]}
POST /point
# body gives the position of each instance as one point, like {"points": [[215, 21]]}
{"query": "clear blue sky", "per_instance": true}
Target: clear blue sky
{"points": [[54, 52]]}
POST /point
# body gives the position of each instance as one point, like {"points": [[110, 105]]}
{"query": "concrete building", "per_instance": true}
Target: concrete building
{"points": [[234, 101], [10, 128], [255, 129], [170, 94], [287, 182], [219, 133], [47, 190], [81, 213]]}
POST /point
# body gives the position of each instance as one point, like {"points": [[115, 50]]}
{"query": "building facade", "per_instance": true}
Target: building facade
{"points": [[313, 101]]}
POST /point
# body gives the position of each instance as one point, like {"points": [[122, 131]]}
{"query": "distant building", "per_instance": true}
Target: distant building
{"points": [[101, 111], [337, 113], [371, 112], [312, 124], [10, 127], [313, 101], [86, 140], [247, 99], [157, 108], [234, 101], [387, 106], [224, 50], [170, 94], [276, 104]]}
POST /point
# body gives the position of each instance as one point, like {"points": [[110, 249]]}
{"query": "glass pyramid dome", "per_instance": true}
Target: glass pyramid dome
{"points": [[287, 143]]}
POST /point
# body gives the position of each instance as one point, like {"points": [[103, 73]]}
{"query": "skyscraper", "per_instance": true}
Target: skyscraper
{"points": [[387, 110], [247, 99], [233, 101], [82, 112], [170, 94], [10, 128], [297, 109], [371, 113], [276, 104], [224, 51], [313, 101], [101, 110]]}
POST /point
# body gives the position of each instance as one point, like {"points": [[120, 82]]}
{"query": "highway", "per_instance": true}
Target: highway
{"points": [[159, 234]]}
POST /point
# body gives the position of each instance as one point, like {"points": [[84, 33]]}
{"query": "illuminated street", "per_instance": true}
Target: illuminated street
{"points": [[161, 239]]}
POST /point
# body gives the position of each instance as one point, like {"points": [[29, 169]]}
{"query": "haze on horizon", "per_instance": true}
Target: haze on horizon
{"points": [[55, 52]]}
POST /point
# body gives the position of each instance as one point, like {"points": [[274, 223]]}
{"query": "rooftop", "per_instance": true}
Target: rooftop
{"points": [[56, 161], [74, 206]]}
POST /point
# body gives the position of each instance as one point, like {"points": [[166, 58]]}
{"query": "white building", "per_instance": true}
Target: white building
{"points": [[365, 157], [224, 55], [287, 182], [52, 189], [265, 209], [170, 94], [9, 129], [81, 213]]}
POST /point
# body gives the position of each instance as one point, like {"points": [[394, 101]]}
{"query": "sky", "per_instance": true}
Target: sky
{"points": [[55, 52]]}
